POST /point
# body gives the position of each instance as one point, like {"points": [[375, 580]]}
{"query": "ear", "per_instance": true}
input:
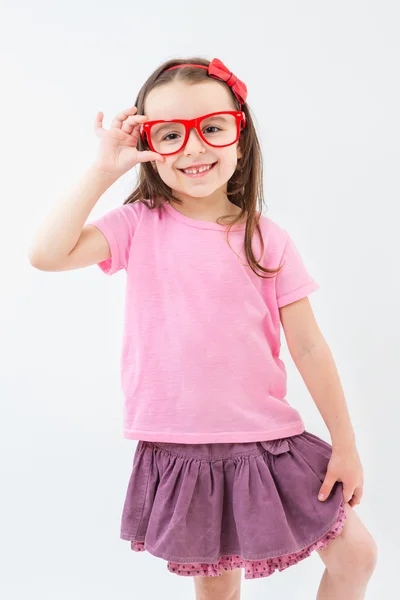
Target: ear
{"points": [[239, 151]]}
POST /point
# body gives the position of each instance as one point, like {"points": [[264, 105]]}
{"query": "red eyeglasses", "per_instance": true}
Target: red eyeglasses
{"points": [[217, 129]]}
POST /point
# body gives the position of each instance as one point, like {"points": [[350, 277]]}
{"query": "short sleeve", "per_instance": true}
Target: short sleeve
{"points": [[118, 227], [294, 281]]}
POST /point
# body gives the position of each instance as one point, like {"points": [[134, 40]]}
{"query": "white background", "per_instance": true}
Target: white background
{"points": [[323, 85]]}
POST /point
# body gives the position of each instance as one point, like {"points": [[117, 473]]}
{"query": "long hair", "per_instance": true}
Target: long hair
{"points": [[244, 188]]}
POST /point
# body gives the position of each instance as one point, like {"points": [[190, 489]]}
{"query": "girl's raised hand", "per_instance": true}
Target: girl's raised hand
{"points": [[118, 145]]}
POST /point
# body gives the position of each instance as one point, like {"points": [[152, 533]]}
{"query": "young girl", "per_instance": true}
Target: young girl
{"points": [[225, 477]]}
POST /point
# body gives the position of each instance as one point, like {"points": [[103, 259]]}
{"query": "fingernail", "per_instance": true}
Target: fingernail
{"points": [[321, 497]]}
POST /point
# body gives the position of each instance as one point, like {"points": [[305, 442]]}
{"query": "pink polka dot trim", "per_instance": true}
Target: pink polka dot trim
{"points": [[253, 568]]}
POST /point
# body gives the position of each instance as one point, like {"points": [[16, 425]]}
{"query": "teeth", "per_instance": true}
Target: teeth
{"points": [[201, 170]]}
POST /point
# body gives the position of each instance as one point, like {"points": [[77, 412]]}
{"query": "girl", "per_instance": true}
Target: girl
{"points": [[225, 477]]}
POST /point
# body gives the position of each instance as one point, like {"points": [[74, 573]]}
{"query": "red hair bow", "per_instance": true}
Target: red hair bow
{"points": [[218, 70]]}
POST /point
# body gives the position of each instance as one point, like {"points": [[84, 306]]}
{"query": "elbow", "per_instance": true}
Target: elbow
{"points": [[36, 261], [33, 259]]}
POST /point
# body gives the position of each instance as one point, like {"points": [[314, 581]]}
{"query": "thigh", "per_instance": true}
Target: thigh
{"points": [[220, 587], [353, 548]]}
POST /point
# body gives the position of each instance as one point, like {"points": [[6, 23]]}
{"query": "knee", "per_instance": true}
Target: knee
{"points": [[370, 555], [363, 558], [352, 558]]}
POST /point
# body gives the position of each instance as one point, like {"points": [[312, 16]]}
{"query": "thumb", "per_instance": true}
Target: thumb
{"points": [[326, 487], [147, 155]]}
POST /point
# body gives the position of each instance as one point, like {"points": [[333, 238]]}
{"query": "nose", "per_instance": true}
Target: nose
{"points": [[194, 144]]}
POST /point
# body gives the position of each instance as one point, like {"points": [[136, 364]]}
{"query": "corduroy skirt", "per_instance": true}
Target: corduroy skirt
{"points": [[208, 507]]}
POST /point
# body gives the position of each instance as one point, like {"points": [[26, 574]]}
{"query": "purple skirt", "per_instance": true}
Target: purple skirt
{"points": [[208, 507]]}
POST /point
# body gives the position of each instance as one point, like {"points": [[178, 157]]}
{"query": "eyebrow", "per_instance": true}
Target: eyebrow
{"points": [[161, 126], [214, 117]]}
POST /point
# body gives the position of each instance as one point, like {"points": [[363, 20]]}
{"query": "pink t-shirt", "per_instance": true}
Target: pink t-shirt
{"points": [[200, 351]]}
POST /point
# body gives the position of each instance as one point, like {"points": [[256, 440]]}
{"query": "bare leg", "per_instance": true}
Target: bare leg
{"points": [[223, 587], [350, 560]]}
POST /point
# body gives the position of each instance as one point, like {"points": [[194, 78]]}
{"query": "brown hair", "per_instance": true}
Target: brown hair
{"points": [[245, 187]]}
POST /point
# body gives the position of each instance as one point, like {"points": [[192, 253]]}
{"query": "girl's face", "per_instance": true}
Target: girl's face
{"points": [[179, 100]]}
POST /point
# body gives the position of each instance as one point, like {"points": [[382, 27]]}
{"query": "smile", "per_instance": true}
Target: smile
{"points": [[198, 172]]}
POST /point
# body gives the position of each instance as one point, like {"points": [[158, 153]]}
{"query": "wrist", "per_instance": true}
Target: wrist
{"points": [[97, 171], [343, 441]]}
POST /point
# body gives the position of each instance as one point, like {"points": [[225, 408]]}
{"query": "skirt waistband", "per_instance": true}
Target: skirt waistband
{"points": [[221, 451]]}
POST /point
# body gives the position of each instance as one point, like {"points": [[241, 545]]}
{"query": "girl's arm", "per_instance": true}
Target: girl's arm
{"points": [[63, 242], [314, 360]]}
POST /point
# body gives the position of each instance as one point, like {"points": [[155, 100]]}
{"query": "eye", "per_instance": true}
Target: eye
{"points": [[168, 137], [213, 127]]}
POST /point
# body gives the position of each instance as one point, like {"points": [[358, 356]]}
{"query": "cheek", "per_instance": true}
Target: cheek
{"points": [[167, 172], [230, 163]]}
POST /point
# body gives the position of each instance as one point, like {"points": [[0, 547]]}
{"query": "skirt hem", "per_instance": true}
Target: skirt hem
{"points": [[207, 560]]}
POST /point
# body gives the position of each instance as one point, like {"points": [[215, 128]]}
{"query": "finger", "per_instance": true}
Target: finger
{"points": [[132, 122], [136, 133], [353, 503], [347, 493], [146, 156], [121, 116], [98, 122], [356, 499], [326, 488]]}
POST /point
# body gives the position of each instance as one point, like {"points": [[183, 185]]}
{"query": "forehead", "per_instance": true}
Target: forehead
{"points": [[179, 100]]}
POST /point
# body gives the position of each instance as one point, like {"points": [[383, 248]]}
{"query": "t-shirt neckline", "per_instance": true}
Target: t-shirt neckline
{"points": [[198, 223]]}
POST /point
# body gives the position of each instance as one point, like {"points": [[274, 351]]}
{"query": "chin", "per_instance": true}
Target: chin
{"points": [[199, 192], [192, 188]]}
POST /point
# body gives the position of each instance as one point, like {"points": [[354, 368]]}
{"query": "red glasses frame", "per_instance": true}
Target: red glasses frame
{"points": [[194, 123]]}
